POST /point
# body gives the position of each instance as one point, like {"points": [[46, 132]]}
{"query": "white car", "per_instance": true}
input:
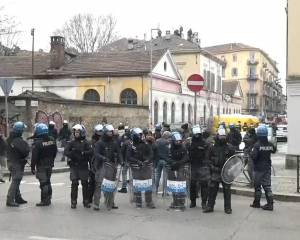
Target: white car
{"points": [[282, 132]]}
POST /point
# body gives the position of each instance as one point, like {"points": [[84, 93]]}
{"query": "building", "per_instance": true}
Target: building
{"points": [[293, 81], [258, 77], [190, 59]]}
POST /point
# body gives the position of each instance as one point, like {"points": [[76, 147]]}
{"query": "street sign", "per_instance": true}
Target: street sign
{"points": [[195, 83], [6, 85]]}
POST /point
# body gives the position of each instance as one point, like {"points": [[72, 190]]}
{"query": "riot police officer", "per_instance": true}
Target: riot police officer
{"points": [[17, 152], [140, 158], [198, 152], [261, 156], [42, 161], [79, 152], [175, 167], [218, 155], [234, 136], [106, 159]]}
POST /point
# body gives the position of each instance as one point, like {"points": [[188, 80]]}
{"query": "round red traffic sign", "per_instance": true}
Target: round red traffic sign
{"points": [[195, 82]]}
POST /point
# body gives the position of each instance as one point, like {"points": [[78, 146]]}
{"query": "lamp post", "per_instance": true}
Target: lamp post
{"points": [[151, 63], [32, 56]]}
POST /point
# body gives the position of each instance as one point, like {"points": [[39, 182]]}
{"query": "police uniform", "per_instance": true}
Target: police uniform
{"points": [[43, 155]]}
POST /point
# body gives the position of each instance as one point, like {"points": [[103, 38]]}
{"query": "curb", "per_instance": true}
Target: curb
{"points": [[283, 197]]}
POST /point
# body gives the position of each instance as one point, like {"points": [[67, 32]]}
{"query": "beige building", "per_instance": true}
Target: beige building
{"points": [[293, 79], [257, 74]]}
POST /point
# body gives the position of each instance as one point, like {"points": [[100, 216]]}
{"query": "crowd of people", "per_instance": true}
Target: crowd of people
{"points": [[146, 154]]}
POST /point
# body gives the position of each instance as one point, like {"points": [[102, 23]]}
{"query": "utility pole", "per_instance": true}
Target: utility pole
{"points": [[32, 63]]}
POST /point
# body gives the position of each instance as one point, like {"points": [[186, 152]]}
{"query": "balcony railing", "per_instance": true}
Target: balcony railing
{"points": [[252, 62], [252, 77]]}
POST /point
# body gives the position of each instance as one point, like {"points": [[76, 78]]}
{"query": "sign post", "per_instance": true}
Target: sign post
{"points": [[195, 83], [6, 86]]}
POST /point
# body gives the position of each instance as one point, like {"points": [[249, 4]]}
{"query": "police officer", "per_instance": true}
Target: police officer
{"points": [[106, 152], [125, 143], [79, 152], [261, 156], [64, 136], [218, 155], [17, 152], [42, 161], [198, 150], [234, 137], [175, 167], [52, 130], [140, 158]]}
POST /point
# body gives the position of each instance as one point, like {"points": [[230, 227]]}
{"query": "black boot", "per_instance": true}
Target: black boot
{"points": [[12, 204], [227, 198], [43, 204], [193, 203], [20, 200], [73, 204], [74, 194], [269, 205], [255, 204], [208, 209], [123, 190]]}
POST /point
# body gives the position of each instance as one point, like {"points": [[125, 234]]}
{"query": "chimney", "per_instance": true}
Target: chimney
{"points": [[130, 44], [57, 52]]}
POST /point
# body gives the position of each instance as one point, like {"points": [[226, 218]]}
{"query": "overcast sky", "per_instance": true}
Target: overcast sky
{"points": [[259, 23]]}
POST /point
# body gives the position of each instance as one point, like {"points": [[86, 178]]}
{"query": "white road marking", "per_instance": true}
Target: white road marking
{"points": [[45, 238], [37, 183]]}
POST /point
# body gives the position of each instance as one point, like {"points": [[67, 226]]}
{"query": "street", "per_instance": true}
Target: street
{"points": [[59, 221]]}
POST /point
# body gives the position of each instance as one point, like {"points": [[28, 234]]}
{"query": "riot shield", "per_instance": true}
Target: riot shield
{"points": [[177, 187], [111, 176], [232, 168], [141, 183]]}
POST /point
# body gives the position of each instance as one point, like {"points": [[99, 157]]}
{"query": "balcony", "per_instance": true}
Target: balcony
{"points": [[252, 62], [252, 77], [252, 93]]}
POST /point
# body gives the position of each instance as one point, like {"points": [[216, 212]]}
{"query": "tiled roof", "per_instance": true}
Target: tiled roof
{"points": [[117, 62], [36, 94]]}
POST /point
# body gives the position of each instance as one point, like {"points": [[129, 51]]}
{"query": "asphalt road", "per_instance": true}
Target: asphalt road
{"points": [[60, 222]]}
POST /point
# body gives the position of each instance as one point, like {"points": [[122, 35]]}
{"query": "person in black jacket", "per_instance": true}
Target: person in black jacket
{"points": [[234, 137], [52, 130], [64, 136], [218, 155], [79, 152], [198, 150], [261, 155], [140, 158], [42, 161], [249, 139], [2, 157], [17, 152], [107, 156], [175, 167]]}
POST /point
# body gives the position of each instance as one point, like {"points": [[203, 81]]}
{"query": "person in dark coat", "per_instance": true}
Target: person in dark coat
{"points": [[234, 137], [261, 156], [2, 157], [249, 139], [64, 136], [198, 150], [52, 130], [17, 152], [79, 152], [218, 155]]}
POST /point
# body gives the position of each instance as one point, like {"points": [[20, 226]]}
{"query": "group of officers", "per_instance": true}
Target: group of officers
{"points": [[147, 155]]}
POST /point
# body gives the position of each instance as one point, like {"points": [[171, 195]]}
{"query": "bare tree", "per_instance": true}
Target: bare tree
{"points": [[8, 34], [87, 33]]}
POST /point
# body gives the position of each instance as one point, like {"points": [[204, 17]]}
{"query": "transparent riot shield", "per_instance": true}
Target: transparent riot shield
{"points": [[111, 176], [141, 184], [177, 187], [232, 168]]}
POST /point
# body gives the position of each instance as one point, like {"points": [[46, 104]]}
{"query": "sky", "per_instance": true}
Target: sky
{"points": [[258, 23]]}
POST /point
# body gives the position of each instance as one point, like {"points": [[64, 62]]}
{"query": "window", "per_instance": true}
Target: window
{"points": [[182, 113], [91, 95], [223, 110], [219, 84], [211, 110], [212, 82], [208, 86], [252, 71], [252, 102], [234, 72], [173, 113], [234, 57], [223, 72], [165, 66], [252, 56], [218, 110], [229, 110], [155, 112], [128, 96], [190, 113], [165, 112]]}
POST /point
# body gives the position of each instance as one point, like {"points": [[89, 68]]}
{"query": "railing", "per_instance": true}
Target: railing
{"points": [[252, 77], [252, 62]]}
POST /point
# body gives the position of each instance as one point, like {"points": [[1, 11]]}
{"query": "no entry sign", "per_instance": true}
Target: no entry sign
{"points": [[195, 83]]}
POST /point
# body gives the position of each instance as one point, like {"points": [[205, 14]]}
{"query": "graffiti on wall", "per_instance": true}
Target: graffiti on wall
{"points": [[42, 117]]}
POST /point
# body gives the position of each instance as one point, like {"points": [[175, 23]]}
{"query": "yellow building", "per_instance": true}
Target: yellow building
{"points": [[293, 79], [257, 74]]}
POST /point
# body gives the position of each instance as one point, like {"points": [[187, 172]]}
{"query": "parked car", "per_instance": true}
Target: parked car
{"points": [[281, 132]]}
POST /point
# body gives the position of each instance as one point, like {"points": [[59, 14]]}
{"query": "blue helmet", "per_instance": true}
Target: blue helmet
{"points": [[158, 127], [19, 127], [231, 126], [262, 131], [41, 129]]}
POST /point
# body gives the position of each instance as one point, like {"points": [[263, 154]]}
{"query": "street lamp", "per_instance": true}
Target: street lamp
{"points": [[150, 102], [32, 58]]}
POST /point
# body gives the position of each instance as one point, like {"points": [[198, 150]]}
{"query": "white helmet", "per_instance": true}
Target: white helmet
{"points": [[65, 122], [221, 132], [77, 127], [51, 123], [98, 128], [196, 130]]}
